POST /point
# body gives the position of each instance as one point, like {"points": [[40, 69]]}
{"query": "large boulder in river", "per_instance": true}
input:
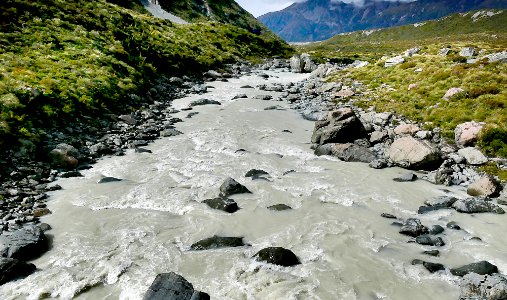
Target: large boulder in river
{"points": [[25, 244], [231, 187], [341, 126], [484, 287], [411, 153], [466, 134], [225, 204], [64, 156], [476, 205], [302, 64], [352, 153], [171, 286], [481, 268], [11, 269], [485, 186], [278, 256], [216, 242]]}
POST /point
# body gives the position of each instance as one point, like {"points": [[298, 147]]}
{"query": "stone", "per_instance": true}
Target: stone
{"points": [[341, 126], [473, 156], [436, 229], [64, 156], [224, 204], [485, 186], [170, 132], [413, 227], [345, 93], [468, 52], [128, 119], [352, 153], [171, 286], [216, 242], [414, 154], [44, 227], [441, 201], [378, 164], [24, 244], [424, 134], [296, 64], [308, 64], [452, 92], [444, 51], [231, 187], [407, 177], [453, 225], [484, 287], [108, 179], [388, 216], [466, 134], [212, 74], [142, 150], [427, 209], [378, 136], [476, 205], [256, 174], [498, 56], [277, 256], [431, 267], [412, 86], [481, 268], [429, 240], [394, 61], [40, 212], [203, 102], [279, 207], [11, 269], [410, 52], [240, 96], [432, 252], [406, 129]]}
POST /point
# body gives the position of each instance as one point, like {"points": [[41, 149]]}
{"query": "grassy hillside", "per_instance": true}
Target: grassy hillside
{"points": [[430, 75], [456, 28], [61, 60]]}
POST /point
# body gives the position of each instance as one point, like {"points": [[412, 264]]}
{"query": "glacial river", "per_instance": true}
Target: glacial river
{"points": [[111, 240]]}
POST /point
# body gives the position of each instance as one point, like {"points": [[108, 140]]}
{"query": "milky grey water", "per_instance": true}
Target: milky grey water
{"points": [[110, 240]]}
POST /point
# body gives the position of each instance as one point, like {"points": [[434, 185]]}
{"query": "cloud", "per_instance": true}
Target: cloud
{"points": [[260, 7]]}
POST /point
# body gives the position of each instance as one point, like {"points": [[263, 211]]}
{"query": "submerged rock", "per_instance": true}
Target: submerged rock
{"points": [[171, 286], [388, 216], [429, 240], [279, 207], [203, 102], [436, 229], [256, 174], [413, 227], [352, 153], [407, 177], [477, 205], [25, 244], [431, 267], [231, 187], [481, 268], [484, 287], [278, 256], [225, 204], [432, 252], [216, 242], [441, 201], [11, 269], [109, 179]]}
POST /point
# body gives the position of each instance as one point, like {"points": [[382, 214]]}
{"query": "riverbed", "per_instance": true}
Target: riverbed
{"points": [[109, 241]]}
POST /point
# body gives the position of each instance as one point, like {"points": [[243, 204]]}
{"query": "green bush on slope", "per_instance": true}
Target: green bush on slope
{"points": [[63, 59]]}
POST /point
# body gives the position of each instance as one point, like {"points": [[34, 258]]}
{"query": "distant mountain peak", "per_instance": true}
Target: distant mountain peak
{"points": [[316, 20]]}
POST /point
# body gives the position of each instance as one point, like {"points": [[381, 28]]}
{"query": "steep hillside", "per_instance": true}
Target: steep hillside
{"points": [[317, 20], [223, 11], [484, 26], [62, 61]]}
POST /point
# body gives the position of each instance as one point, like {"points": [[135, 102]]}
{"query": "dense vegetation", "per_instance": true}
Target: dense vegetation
{"points": [[430, 75], [60, 60]]}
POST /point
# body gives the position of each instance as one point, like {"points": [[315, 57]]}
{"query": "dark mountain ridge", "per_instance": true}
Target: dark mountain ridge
{"points": [[316, 20]]}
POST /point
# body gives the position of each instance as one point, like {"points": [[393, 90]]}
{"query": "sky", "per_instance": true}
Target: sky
{"points": [[260, 7]]}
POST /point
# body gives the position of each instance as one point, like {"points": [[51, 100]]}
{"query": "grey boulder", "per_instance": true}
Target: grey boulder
{"points": [[231, 187], [24, 244], [11, 269], [171, 286]]}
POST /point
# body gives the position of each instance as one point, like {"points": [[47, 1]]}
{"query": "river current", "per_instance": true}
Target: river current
{"points": [[109, 241]]}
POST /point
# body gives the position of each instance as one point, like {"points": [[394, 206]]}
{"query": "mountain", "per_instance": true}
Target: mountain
{"points": [[316, 20]]}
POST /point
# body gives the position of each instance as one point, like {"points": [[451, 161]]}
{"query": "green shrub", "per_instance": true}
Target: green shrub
{"points": [[493, 141]]}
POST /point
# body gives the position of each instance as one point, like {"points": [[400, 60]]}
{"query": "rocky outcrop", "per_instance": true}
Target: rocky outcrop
{"points": [[24, 244], [486, 186], [171, 286], [477, 205], [224, 204], [340, 126], [231, 187], [216, 242], [484, 287], [481, 268], [277, 256], [414, 154], [11, 269], [393, 61]]}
